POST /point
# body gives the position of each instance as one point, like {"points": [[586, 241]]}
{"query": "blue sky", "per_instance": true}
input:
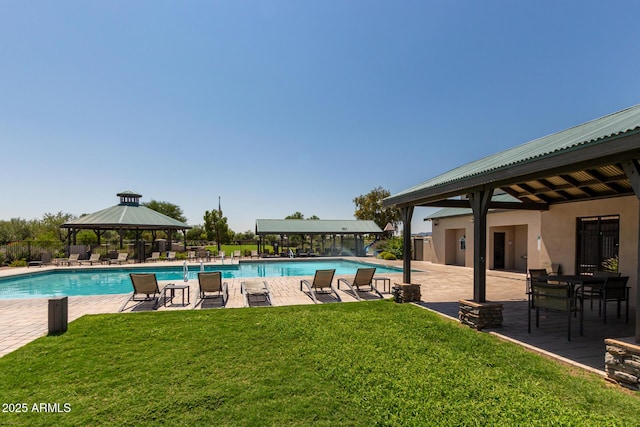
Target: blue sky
{"points": [[285, 106]]}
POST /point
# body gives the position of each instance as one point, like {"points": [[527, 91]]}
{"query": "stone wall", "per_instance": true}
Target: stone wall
{"points": [[403, 292], [480, 315], [622, 363]]}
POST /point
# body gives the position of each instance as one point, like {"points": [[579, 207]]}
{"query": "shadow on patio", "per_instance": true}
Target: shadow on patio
{"points": [[551, 336]]}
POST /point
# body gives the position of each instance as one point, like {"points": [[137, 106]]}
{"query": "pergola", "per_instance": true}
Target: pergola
{"points": [[128, 215], [596, 160], [319, 227]]}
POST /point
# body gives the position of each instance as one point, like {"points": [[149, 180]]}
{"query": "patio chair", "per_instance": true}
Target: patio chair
{"points": [[191, 256], [171, 256], [210, 282], [144, 284], [122, 258], [533, 275], [559, 298], [73, 259], [322, 284], [45, 258], [254, 253], [92, 259], [256, 289], [615, 289], [155, 256], [593, 292], [363, 282], [237, 254]]}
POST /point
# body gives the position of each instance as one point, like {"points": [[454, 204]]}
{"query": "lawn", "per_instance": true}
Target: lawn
{"points": [[368, 363]]}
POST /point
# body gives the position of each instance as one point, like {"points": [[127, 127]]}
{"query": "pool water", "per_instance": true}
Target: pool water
{"points": [[105, 281]]}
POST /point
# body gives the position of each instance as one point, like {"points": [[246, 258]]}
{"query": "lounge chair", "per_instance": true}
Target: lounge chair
{"points": [[144, 284], [171, 256], [73, 259], [363, 282], [211, 282], [155, 256], [45, 258], [257, 289], [237, 254], [122, 258], [191, 256], [254, 253], [94, 258], [322, 284]]}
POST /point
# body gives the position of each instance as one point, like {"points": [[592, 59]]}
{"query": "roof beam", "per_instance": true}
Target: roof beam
{"points": [[464, 203], [534, 192]]}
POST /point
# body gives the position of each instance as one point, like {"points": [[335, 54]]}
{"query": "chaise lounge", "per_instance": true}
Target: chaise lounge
{"points": [[210, 282], [322, 284], [144, 284], [363, 282]]}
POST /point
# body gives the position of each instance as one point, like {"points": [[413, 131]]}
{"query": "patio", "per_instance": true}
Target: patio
{"points": [[441, 288]]}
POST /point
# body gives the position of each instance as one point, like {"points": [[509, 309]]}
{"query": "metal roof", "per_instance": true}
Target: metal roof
{"points": [[315, 226], [127, 215], [451, 212], [578, 163]]}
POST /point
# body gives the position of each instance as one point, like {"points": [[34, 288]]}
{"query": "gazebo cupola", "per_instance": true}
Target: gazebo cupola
{"points": [[129, 198]]}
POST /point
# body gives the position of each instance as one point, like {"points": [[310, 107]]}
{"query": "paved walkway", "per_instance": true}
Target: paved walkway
{"points": [[24, 320]]}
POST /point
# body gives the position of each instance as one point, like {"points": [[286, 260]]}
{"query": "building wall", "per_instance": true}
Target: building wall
{"points": [[521, 228], [542, 239], [559, 233]]}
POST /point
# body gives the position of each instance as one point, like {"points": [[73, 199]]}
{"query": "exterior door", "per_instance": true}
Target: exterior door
{"points": [[498, 250], [598, 240]]}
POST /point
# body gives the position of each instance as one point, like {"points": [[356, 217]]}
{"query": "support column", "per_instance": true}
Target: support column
{"points": [[480, 206], [632, 170], [407, 214]]}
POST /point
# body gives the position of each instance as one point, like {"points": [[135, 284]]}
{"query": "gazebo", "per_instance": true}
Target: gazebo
{"points": [[319, 227], [128, 215]]}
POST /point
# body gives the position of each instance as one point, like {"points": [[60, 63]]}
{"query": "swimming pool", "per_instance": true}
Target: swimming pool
{"points": [[105, 281]]}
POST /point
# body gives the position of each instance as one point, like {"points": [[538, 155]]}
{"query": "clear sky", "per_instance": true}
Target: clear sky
{"points": [[285, 106]]}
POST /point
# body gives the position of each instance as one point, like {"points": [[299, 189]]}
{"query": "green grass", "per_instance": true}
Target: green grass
{"points": [[368, 363]]}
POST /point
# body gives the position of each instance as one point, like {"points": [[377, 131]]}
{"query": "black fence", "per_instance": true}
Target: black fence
{"points": [[33, 250], [30, 251]]}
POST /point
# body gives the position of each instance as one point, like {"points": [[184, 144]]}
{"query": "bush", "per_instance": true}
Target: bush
{"points": [[18, 263], [181, 256], [387, 256], [393, 246]]}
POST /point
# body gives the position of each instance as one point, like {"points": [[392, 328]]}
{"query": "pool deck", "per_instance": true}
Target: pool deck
{"points": [[24, 320]]}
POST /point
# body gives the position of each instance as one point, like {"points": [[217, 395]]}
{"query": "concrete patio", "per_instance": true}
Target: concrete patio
{"points": [[442, 286]]}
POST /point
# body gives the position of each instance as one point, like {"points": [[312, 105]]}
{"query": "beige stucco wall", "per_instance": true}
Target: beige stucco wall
{"points": [[555, 229], [521, 228], [559, 233]]}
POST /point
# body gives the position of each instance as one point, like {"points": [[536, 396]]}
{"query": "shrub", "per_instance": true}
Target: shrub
{"points": [[18, 263], [394, 246], [387, 256], [181, 256]]}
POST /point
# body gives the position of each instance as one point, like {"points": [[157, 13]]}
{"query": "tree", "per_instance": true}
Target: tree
{"points": [[166, 208], [369, 206], [50, 226], [15, 229], [296, 215], [215, 226]]}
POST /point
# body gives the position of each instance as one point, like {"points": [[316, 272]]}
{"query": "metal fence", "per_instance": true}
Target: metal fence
{"points": [[30, 250]]}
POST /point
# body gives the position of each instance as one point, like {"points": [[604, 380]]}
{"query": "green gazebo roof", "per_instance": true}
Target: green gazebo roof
{"points": [[128, 214], [316, 226]]}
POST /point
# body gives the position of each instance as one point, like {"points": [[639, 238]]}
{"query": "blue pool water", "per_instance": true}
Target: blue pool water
{"points": [[104, 281]]}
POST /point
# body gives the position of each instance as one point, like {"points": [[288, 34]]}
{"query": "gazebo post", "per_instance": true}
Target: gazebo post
{"points": [[407, 214]]}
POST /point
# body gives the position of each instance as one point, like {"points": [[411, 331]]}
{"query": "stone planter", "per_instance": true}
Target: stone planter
{"points": [[404, 292], [480, 315], [622, 362]]}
